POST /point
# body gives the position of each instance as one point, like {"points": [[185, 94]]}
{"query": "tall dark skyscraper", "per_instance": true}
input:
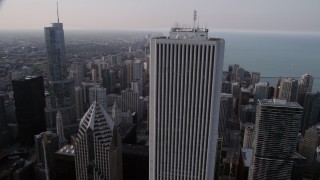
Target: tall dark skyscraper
{"points": [[60, 88], [275, 138], [311, 113], [185, 86], [3, 123], [30, 103]]}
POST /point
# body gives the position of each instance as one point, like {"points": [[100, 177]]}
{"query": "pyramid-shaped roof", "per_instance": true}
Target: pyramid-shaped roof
{"points": [[97, 121]]}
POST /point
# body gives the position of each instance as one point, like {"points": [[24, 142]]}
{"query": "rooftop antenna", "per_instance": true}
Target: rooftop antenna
{"points": [[198, 22], [194, 19], [58, 11]]}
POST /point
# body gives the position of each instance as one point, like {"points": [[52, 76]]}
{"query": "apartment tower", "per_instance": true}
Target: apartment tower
{"points": [[275, 138]]}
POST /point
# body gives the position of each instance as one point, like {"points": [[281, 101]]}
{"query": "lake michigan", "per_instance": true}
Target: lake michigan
{"points": [[274, 54]]}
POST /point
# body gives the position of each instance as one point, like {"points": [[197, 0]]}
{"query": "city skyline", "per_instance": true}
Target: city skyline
{"points": [[126, 15], [192, 103]]}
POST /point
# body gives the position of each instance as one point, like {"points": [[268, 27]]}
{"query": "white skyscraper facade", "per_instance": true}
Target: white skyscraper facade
{"points": [[185, 85], [98, 146]]}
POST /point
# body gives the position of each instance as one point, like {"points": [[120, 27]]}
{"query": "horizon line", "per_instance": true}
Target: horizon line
{"points": [[219, 30]]}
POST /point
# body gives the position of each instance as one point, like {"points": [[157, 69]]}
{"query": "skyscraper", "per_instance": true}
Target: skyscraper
{"points": [[98, 146], [306, 83], [60, 130], [109, 80], [261, 91], [99, 94], [248, 135], [310, 143], [311, 113], [86, 95], [78, 93], [137, 73], [123, 76], [185, 86], [305, 86], [226, 109], [275, 138], [60, 88], [30, 104], [128, 68], [289, 89], [132, 100], [46, 144], [3, 123], [79, 73], [255, 78]]}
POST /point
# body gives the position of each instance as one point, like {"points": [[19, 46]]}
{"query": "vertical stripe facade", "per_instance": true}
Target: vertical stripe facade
{"points": [[184, 104]]}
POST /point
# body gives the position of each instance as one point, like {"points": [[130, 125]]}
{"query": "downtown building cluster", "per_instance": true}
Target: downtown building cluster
{"points": [[163, 109], [271, 121], [71, 121]]}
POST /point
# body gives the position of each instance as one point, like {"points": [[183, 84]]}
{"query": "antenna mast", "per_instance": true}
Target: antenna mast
{"points": [[58, 11], [194, 19], [198, 22]]}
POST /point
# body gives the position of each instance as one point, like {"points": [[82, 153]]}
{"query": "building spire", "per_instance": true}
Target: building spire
{"points": [[60, 130], [58, 11]]}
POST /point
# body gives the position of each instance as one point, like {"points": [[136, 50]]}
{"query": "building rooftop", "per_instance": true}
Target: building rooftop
{"points": [[135, 149], [279, 103], [247, 156], [225, 95], [189, 33], [316, 128], [25, 78], [262, 84], [249, 125], [125, 128], [248, 107], [66, 150], [186, 29]]}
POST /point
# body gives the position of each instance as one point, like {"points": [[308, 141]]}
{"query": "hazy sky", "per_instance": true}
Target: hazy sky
{"points": [[243, 15]]}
